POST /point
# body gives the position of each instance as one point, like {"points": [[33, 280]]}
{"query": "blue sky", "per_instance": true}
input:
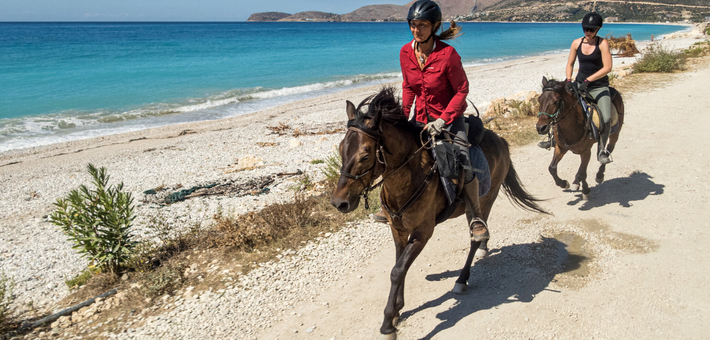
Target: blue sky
{"points": [[168, 10]]}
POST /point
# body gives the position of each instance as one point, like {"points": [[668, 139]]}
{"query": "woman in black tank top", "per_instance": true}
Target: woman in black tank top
{"points": [[595, 63]]}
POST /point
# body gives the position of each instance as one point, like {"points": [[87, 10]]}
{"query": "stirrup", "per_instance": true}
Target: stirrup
{"points": [[482, 237], [605, 157]]}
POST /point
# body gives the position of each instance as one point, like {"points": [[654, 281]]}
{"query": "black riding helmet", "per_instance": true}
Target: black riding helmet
{"points": [[425, 10], [592, 20]]}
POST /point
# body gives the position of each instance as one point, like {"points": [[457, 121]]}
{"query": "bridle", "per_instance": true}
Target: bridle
{"points": [[560, 108], [380, 158], [555, 117]]}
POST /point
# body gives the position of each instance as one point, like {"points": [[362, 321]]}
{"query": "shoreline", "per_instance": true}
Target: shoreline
{"points": [[36, 253], [237, 108]]}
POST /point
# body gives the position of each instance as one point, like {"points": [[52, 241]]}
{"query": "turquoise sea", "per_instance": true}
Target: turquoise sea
{"points": [[69, 81]]}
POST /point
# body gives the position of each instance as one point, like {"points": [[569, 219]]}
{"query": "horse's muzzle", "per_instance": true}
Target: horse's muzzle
{"points": [[344, 205], [542, 129]]}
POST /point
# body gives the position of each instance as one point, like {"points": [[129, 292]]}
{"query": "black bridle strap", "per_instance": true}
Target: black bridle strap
{"points": [[370, 187], [413, 198], [560, 109]]}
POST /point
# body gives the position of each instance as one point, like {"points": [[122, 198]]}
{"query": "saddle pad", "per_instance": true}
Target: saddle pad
{"points": [[480, 167], [596, 119]]}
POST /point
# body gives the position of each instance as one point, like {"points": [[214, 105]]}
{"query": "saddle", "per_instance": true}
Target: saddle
{"points": [[449, 162], [593, 115]]}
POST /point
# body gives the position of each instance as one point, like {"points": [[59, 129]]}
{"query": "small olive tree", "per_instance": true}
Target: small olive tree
{"points": [[98, 221]]}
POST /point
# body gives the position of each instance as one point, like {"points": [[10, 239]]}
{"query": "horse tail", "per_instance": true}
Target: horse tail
{"points": [[517, 194]]}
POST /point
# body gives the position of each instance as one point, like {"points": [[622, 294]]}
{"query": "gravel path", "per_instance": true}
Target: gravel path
{"points": [[334, 287]]}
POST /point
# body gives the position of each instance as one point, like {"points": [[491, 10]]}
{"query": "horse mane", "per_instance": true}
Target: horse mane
{"points": [[387, 105], [554, 85]]}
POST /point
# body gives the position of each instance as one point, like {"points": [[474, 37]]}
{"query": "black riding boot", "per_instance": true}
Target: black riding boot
{"points": [[603, 155], [477, 227]]}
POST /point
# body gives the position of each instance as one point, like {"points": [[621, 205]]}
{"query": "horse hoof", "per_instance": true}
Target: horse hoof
{"points": [[586, 196], [460, 289], [391, 336], [481, 253], [395, 321], [575, 187], [599, 180], [565, 186]]}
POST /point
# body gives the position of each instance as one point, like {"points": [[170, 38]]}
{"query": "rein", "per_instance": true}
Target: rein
{"points": [[380, 152]]}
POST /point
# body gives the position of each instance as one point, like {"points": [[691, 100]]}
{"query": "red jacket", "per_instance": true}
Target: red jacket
{"points": [[441, 88]]}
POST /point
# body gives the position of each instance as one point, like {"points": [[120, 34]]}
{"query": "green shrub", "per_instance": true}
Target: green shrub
{"points": [[81, 279], [522, 108], [7, 297], [332, 167], [694, 52], [317, 161], [658, 59], [163, 281], [98, 221]]}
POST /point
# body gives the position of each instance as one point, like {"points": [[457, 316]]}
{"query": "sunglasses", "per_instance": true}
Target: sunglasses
{"points": [[588, 29]]}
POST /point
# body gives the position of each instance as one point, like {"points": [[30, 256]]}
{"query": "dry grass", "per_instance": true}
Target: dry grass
{"points": [[518, 131], [625, 46]]}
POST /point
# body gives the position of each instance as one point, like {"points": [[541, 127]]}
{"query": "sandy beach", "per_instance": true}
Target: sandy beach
{"points": [[36, 254]]}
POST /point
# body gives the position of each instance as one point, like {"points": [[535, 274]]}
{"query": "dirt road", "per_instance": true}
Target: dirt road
{"points": [[631, 263]]}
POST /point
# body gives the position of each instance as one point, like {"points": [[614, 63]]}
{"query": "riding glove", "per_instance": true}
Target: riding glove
{"points": [[434, 128], [583, 86], [570, 86]]}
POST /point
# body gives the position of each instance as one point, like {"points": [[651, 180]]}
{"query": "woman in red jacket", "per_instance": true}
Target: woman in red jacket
{"points": [[436, 83]]}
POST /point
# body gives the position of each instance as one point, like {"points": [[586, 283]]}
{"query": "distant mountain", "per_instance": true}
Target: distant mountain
{"points": [[449, 9], [519, 10], [377, 13], [611, 10], [267, 16]]}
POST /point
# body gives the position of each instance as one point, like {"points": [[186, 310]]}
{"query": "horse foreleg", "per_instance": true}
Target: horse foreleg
{"points": [[581, 176], [400, 242], [556, 158], [414, 247]]}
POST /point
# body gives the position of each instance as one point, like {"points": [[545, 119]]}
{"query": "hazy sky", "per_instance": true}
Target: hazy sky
{"points": [[168, 10]]}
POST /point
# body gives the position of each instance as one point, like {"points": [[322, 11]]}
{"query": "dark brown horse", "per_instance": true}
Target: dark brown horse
{"points": [[561, 111], [383, 142]]}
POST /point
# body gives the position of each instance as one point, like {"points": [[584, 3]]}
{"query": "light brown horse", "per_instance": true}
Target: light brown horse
{"points": [[383, 142], [560, 109]]}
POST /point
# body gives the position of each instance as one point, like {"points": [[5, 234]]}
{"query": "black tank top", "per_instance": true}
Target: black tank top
{"points": [[590, 64]]}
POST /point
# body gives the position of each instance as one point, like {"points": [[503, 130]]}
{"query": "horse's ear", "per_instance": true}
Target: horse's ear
{"points": [[352, 111], [544, 81], [374, 123]]}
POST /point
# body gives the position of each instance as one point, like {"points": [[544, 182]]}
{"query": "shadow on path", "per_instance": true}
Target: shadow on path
{"points": [[635, 187], [515, 273]]}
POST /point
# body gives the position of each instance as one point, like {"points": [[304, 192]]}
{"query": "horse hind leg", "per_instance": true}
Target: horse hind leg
{"points": [[461, 285]]}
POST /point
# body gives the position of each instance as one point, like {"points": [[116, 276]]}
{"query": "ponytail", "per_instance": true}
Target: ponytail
{"points": [[454, 31]]}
